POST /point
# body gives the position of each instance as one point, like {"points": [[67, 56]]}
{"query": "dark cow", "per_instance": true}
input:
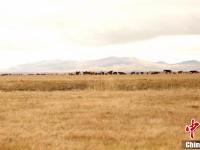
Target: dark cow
{"points": [[167, 71], [180, 72], [121, 73], [141, 72], [110, 72], [99, 73], [133, 72], [102, 73], [194, 71], [5, 74], [77, 72], [155, 72], [86, 72]]}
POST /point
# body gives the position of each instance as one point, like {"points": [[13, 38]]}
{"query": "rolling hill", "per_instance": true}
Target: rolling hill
{"points": [[125, 64]]}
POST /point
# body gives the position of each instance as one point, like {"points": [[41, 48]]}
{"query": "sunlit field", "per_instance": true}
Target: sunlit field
{"points": [[122, 112]]}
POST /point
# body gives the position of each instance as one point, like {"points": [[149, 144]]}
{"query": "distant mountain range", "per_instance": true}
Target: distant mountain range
{"points": [[111, 63]]}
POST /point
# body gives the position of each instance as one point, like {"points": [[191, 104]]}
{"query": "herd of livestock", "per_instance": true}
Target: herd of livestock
{"points": [[105, 73], [132, 73]]}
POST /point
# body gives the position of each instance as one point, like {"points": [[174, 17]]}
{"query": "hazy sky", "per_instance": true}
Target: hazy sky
{"points": [[155, 30]]}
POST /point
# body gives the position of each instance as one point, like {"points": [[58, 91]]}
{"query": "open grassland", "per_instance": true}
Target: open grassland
{"points": [[99, 83], [147, 112]]}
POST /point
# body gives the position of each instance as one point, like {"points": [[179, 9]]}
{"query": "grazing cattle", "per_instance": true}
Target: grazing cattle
{"points": [[194, 71], [141, 72], [167, 71], [93, 73], [102, 73], [86, 72], [115, 73], [121, 73], [4, 74], [110, 72], [155, 72], [78, 73], [133, 72], [180, 72], [96, 73], [99, 73]]}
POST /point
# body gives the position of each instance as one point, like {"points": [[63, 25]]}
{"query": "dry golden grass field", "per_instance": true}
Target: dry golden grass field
{"points": [[128, 112]]}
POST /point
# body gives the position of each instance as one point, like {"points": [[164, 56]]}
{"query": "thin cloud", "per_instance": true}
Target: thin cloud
{"points": [[89, 29]]}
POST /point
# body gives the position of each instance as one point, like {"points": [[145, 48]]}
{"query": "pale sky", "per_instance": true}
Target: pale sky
{"points": [[155, 30]]}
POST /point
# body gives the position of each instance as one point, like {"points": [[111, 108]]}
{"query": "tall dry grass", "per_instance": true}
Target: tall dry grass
{"points": [[110, 113], [103, 83]]}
